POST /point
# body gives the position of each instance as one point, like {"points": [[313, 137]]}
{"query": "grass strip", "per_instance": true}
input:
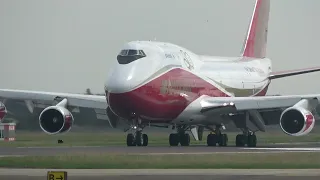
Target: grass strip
{"points": [[38, 139], [288, 160]]}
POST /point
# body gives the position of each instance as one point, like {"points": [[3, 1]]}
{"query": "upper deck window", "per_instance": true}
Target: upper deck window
{"points": [[127, 56]]}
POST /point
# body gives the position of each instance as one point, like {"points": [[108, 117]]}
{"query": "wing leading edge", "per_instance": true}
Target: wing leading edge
{"points": [[77, 100], [251, 103]]}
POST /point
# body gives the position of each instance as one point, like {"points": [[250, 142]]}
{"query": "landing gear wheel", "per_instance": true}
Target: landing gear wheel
{"points": [[145, 140], [223, 141], [241, 140], [130, 140], [252, 140], [184, 139], [139, 138], [212, 140], [174, 139]]}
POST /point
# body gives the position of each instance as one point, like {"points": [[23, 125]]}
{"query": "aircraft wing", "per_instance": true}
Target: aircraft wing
{"points": [[257, 103], [83, 106], [264, 110], [281, 74], [76, 100]]}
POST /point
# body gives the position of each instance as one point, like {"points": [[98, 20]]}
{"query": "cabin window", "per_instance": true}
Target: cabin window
{"points": [[127, 56]]}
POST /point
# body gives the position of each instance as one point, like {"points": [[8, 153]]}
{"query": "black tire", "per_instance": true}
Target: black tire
{"points": [[139, 140], [130, 140], [145, 140], [240, 140], [185, 139], [174, 139], [252, 141], [209, 142], [212, 140]]}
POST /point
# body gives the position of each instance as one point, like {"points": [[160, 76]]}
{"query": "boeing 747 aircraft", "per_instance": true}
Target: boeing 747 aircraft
{"points": [[165, 85]]}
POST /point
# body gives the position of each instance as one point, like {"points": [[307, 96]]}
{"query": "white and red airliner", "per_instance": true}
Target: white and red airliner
{"points": [[165, 85]]}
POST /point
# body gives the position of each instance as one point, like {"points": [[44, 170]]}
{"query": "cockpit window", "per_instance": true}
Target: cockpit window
{"points": [[127, 56], [124, 52], [132, 52]]}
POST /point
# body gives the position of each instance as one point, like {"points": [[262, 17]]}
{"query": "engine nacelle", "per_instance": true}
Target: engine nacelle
{"points": [[3, 111], [297, 121], [56, 119]]}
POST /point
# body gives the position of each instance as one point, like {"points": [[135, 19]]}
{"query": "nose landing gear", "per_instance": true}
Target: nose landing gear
{"points": [[137, 138]]}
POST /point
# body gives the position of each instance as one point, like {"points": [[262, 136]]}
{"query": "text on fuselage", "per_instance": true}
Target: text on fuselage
{"points": [[175, 87], [253, 69]]}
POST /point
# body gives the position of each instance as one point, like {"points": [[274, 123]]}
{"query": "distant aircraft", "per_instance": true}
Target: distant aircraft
{"points": [[3, 111], [165, 85]]}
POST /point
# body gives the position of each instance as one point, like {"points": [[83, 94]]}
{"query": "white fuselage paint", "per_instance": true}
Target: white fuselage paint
{"points": [[232, 72], [238, 73]]}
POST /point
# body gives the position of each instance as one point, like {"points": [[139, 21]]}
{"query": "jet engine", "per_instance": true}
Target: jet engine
{"points": [[3, 111], [297, 121], [56, 119]]}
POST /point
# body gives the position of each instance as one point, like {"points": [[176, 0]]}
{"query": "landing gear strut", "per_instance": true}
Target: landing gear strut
{"points": [[217, 137], [247, 138], [180, 137]]}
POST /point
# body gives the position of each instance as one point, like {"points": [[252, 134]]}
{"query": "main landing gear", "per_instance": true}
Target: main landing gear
{"points": [[180, 137], [247, 138], [217, 137]]}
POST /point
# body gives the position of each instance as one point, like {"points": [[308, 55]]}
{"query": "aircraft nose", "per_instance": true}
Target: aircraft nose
{"points": [[121, 79], [117, 84]]}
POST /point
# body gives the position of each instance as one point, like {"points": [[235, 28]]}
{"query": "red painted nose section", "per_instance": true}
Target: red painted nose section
{"points": [[150, 105], [162, 99]]}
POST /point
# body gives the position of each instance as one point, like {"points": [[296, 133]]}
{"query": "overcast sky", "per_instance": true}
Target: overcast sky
{"points": [[69, 45]]}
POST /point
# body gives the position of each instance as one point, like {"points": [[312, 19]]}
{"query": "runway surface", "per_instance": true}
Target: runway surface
{"points": [[204, 174], [154, 150]]}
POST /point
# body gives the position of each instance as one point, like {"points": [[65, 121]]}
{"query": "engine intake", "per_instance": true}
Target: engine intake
{"points": [[297, 121], [55, 119]]}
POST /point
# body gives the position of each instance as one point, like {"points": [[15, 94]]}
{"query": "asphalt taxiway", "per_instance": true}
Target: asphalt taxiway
{"points": [[154, 150], [185, 174]]}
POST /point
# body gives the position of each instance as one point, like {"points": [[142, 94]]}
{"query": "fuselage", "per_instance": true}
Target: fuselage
{"points": [[157, 81]]}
